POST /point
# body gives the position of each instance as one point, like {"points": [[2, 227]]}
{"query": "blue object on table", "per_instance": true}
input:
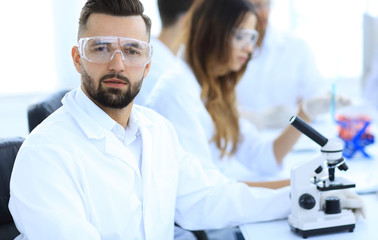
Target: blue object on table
{"points": [[359, 141]]}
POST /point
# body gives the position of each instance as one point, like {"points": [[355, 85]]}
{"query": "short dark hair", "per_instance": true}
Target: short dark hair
{"points": [[170, 10], [114, 8]]}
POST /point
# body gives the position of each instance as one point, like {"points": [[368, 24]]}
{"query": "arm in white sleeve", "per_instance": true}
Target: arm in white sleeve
{"points": [[213, 201], [254, 151]]}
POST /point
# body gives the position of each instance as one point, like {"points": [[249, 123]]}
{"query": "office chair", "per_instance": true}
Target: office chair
{"points": [[39, 111], [8, 151]]}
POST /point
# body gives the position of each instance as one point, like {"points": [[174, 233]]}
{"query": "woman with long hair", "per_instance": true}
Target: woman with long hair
{"points": [[198, 94]]}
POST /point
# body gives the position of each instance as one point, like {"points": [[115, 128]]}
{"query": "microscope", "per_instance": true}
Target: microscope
{"points": [[309, 216]]}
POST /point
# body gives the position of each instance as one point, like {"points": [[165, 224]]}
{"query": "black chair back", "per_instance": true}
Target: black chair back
{"points": [[39, 111], [8, 151]]}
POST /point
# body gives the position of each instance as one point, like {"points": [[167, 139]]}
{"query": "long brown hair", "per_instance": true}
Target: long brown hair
{"points": [[208, 41]]}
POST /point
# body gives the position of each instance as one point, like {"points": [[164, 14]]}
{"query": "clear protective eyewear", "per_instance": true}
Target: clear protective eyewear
{"points": [[244, 37], [102, 49]]}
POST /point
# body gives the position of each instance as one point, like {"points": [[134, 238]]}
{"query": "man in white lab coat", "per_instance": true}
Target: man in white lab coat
{"points": [[101, 168], [281, 74], [172, 13]]}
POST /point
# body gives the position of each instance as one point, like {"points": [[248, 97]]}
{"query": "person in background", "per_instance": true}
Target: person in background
{"points": [[370, 87], [281, 75], [198, 95], [172, 13], [101, 167]]}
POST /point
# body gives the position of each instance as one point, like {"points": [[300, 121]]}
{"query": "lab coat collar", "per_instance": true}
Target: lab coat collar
{"points": [[141, 118], [76, 102], [94, 121], [96, 124], [118, 149]]}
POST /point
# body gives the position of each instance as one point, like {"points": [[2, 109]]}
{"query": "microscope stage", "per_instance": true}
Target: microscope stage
{"points": [[338, 183]]}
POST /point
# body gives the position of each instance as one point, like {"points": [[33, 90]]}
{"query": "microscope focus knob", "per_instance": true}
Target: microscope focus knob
{"points": [[332, 205], [307, 201]]}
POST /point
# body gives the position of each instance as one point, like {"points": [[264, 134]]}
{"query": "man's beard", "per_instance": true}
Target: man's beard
{"points": [[111, 97]]}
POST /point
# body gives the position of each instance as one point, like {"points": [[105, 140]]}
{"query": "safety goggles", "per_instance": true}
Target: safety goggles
{"points": [[244, 37], [102, 49]]}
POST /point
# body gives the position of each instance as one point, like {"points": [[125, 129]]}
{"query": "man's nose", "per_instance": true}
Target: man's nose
{"points": [[117, 62]]}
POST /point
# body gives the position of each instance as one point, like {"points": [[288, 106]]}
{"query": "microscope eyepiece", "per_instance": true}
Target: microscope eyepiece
{"points": [[307, 130]]}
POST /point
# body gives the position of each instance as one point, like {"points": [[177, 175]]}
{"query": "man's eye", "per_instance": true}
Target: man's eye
{"points": [[132, 51], [100, 49]]}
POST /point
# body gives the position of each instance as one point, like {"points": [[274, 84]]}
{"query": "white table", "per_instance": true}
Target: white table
{"points": [[362, 171]]}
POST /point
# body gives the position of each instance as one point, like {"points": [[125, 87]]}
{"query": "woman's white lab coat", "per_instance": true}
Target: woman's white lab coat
{"points": [[176, 96], [73, 179]]}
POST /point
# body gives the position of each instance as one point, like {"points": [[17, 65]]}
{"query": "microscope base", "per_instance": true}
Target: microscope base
{"points": [[324, 223], [307, 233]]}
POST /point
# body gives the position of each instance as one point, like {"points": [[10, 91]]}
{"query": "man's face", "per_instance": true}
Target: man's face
{"points": [[263, 9], [113, 84]]}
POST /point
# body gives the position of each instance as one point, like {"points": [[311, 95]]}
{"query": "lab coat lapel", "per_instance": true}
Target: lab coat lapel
{"points": [[149, 188], [115, 148]]}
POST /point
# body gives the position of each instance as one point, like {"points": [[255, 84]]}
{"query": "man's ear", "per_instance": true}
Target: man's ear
{"points": [[76, 58], [147, 69]]}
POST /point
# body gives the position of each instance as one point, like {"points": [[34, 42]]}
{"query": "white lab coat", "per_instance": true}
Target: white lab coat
{"points": [[176, 96], [279, 74], [73, 179], [162, 60]]}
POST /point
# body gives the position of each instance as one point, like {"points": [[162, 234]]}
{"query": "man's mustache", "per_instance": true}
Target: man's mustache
{"points": [[112, 75]]}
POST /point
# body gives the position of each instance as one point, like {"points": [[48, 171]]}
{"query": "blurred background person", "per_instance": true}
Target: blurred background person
{"points": [[281, 74], [198, 94], [171, 14], [370, 88]]}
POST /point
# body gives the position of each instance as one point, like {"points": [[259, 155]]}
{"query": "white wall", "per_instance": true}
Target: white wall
{"points": [[39, 38], [333, 29], [27, 56]]}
